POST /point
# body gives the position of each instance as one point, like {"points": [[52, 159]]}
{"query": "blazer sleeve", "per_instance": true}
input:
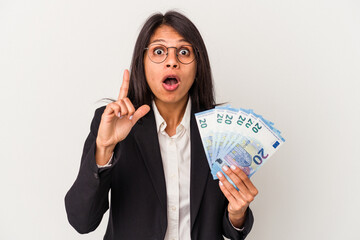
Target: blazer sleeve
{"points": [[231, 233], [87, 200]]}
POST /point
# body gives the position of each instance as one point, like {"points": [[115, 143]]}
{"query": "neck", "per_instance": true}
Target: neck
{"points": [[172, 113]]}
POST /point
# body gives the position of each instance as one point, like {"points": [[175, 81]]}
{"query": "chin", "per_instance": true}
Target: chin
{"points": [[171, 99]]}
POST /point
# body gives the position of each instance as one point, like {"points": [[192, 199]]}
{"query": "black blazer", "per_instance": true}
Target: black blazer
{"points": [[138, 190]]}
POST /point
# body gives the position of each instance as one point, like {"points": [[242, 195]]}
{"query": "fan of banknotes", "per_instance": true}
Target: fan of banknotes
{"points": [[237, 137]]}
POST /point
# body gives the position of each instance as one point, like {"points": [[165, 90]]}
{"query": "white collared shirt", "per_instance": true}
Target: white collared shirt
{"points": [[175, 154]]}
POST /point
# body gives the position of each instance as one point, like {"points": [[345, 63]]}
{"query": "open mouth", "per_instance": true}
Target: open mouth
{"points": [[170, 83]]}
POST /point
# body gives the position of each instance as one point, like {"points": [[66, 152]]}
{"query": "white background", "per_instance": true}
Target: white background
{"points": [[295, 62]]}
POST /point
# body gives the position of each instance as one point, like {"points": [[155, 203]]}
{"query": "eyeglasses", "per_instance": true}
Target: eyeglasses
{"points": [[158, 53]]}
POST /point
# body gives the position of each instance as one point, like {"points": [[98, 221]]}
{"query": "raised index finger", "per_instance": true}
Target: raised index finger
{"points": [[124, 85]]}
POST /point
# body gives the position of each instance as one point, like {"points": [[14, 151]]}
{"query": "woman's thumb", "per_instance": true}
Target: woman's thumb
{"points": [[140, 112]]}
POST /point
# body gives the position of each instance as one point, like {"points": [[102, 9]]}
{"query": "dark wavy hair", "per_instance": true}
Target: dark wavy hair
{"points": [[201, 92]]}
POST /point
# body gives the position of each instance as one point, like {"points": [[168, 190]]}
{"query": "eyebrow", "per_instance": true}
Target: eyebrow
{"points": [[163, 41]]}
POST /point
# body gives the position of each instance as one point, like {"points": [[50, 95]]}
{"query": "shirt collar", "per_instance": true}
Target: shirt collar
{"points": [[161, 124]]}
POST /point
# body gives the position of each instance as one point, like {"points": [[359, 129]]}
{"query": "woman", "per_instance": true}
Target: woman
{"points": [[146, 148]]}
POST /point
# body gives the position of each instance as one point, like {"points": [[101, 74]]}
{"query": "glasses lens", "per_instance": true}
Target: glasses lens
{"points": [[157, 53], [186, 54]]}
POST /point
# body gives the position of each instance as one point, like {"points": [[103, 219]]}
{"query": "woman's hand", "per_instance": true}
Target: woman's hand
{"points": [[116, 122], [239, 200]]}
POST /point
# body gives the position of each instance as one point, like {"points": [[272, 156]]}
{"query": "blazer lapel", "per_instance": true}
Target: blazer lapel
{"points": [[147, 139], [148, 142], [199, 170]]}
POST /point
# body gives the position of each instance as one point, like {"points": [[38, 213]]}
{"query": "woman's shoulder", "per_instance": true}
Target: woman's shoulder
{"points": [[100, 110]]}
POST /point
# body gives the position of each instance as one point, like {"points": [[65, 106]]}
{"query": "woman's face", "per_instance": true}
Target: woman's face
{"points": [[169, 80]]}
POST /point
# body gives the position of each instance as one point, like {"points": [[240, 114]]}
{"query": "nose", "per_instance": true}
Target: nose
{"points": [[171, 60]]}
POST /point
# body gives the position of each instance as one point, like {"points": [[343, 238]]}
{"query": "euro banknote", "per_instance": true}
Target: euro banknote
{"points": [[237, 137]]}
